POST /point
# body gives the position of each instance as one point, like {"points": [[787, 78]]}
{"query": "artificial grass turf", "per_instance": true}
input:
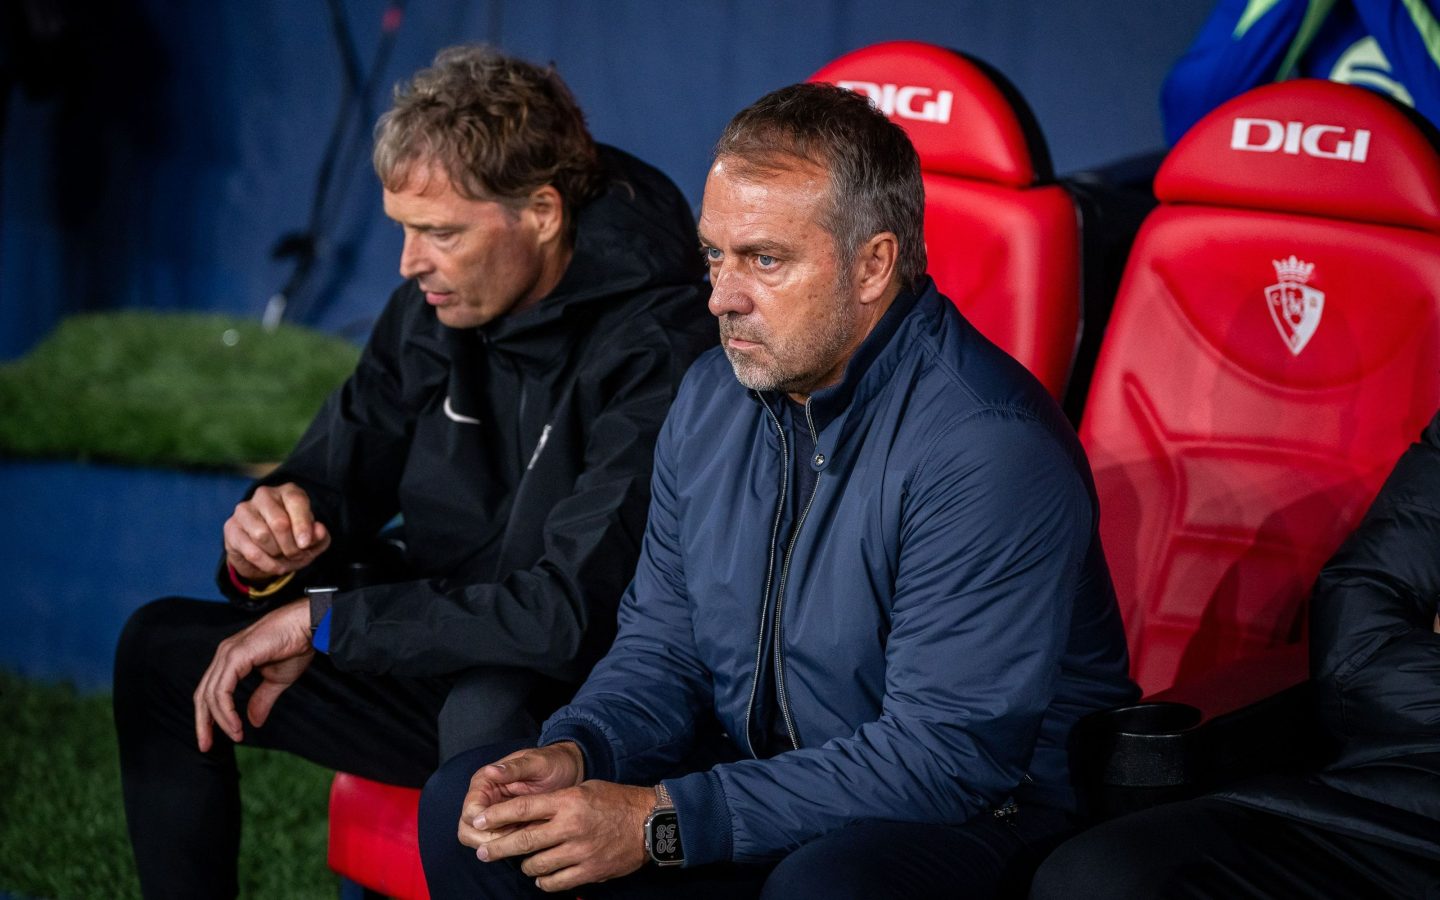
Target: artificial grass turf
{"points": [[62, 828], [183, 389]]}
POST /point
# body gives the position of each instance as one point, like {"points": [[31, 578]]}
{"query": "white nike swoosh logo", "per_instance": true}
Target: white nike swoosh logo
{"points": [[453, 416]]}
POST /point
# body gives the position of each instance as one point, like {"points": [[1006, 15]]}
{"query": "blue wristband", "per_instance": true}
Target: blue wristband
{"points": [[321, 639]]}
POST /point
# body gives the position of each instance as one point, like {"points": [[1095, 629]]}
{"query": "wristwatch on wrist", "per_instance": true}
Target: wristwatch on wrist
{"points": [[320, 600], [662, 831]]}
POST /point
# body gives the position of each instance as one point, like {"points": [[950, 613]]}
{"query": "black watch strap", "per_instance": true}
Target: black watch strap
{"points": [[320, 600]]}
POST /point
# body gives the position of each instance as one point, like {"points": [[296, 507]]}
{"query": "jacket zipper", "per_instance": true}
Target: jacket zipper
{"points": [[780, 694], [769, 576]]}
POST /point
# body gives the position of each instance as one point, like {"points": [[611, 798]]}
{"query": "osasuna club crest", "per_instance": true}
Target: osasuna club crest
{"points": [[1294, 305]]}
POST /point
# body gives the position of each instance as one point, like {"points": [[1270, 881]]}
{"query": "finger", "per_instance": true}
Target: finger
{"points": [[254, 539], [551, 861], [277, 520], [203, 735], [262, 566], [221, 694], [476, 801], [532, 838], [263, 700], [511, 763], [566, 879], [523, 765], [321, 536], [255, 514], [297, 510], [244, 554], [516, 811], [471, 836]]}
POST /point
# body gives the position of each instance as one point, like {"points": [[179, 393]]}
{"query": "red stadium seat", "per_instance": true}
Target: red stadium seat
{"points": [[1274, 347], [373, 839], [1003, 239]]}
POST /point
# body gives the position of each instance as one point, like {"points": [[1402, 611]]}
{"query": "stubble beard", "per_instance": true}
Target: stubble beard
{"points": [[796, 364]]}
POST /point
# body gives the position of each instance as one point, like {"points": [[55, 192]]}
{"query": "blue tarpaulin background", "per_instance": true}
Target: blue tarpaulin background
{"points": [[154, 151]]}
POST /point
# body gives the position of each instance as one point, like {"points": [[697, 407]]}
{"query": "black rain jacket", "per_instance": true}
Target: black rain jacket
{"points": [[1375, 660], [517, 455]]}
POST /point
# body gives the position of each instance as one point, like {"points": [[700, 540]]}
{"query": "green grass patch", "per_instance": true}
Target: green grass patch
{"points": [[62, 826], [168, 389]]}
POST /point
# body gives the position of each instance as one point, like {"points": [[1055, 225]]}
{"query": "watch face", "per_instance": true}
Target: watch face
{"points": [[662, 838]]}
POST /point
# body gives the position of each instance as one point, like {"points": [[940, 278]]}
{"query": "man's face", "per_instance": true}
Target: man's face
{"points": [[474, 259], [788, 320]]}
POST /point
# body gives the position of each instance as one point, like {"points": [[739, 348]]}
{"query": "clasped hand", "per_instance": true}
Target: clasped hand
{"points": [[534, 804]]}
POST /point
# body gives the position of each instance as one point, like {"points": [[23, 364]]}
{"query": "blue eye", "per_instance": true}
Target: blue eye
{"points": [[765, 261], [712, 254]]}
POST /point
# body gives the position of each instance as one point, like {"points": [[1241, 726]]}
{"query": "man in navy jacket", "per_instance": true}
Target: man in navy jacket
{"points": [[871, 582]]}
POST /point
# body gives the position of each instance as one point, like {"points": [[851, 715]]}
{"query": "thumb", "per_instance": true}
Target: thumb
{"points": [[526, 765], [262, 701]]}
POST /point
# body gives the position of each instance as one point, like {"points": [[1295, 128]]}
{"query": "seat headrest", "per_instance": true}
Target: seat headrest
{"points": [[1310, 146], [963, 117]]}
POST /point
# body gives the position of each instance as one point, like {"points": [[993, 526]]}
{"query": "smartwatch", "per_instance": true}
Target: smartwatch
{"points": [[320, 600], [662, 831]]}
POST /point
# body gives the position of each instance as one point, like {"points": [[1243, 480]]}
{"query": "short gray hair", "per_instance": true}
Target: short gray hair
{"points": [[875, 183]]}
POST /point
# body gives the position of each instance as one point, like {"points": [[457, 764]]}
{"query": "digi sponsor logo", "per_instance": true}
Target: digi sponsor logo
{"points": [[921, 104], [1295, 138]]}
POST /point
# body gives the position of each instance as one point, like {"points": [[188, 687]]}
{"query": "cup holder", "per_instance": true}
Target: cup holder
{"points": [[1146, 745], [1158, 718]]}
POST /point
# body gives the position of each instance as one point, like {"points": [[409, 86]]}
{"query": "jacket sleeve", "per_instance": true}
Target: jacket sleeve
{"points": [[1375, 656], [994, 533], [636, 714], [350, 458], [1242, 45], [1409, 36], [556, 616]]}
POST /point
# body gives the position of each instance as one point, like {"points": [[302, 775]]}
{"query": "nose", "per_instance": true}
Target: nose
{"points": [[413, 259], [728, 293]]}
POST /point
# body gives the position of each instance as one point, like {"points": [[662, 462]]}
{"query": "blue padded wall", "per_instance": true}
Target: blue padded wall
{"points": [[154, 160]]}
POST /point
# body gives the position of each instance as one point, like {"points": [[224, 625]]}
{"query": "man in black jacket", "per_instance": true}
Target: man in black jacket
{"points": [[505, 409], [1368, 825]]}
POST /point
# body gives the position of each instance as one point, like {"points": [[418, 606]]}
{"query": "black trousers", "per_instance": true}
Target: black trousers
{"points": [[1214, 848], [183, 806], [986, 857]]}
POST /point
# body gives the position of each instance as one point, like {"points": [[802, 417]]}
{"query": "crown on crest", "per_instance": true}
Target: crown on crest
{"points": [[1293, 269]]}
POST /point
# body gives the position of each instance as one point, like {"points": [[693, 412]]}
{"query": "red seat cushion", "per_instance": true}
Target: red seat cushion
{"points": [[1274, 347], [373, 837], [1003, 242]]}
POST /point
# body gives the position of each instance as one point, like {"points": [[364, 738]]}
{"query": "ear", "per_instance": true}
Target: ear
{"points": [[875, 266], [546, 210]]}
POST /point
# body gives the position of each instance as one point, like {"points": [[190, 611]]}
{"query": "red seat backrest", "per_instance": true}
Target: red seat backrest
{"points": [[1274, 347], [1003, 239]]}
